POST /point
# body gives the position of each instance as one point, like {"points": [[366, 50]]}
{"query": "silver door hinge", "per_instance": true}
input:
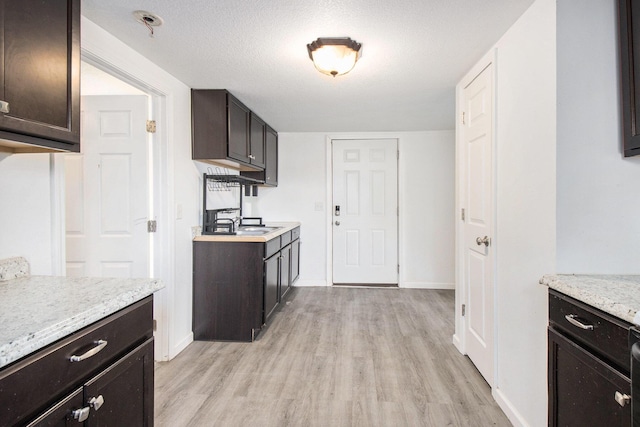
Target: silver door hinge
{"points": [[151, 126], [398, 154], [152, 226], [463, 117], [398, 268], [462, 214], [464, 309], [155, 325]]}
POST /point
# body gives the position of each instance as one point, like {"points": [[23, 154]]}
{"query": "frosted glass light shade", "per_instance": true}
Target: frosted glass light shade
{"points": [[334, 56]]}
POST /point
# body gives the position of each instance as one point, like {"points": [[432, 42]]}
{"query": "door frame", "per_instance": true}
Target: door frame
{"points": [[329, 193], [160, 264], [459, 337]]}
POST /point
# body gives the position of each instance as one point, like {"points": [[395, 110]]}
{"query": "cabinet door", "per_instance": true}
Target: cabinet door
{"points": [[125, 389], [582, 388], [256, 141], [40, 77], [295, 261], [238, 130], [271, 273], [271, 160], [61, 414], [629, 20], [285, 270]]}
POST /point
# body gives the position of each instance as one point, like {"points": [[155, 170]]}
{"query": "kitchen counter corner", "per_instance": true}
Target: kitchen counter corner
{"points": [[618, 295], [38, 310]]}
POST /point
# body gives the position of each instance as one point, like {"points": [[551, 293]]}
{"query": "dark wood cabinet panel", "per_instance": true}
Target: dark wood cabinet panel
{"points": [[43, 386], [40, 75], [271, 280], [126, 390], [225, 132], [629, 41], [227, 290], [270, 173], [588, 365], [61, 414], [256, 141], [237, 286], [582, 388], [238, 130]]}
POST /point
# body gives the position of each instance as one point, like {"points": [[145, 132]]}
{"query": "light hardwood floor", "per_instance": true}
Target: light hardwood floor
{"points": [[333, 357]]}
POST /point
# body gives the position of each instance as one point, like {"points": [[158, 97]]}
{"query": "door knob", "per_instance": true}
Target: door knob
{"points": [[337, 222], [480, 241]]}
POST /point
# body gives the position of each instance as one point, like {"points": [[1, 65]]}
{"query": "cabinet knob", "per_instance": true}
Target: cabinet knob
{"points": [[4, 107], [622, 399], [81, 414], [96, 402]]}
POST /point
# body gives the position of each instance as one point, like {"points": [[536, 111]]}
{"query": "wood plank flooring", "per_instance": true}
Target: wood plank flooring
{"points": [[333, 357]]}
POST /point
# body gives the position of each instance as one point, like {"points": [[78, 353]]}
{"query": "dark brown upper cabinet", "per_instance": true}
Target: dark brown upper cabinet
{"points": [[225, 132], [270, 173], [629, 26], [40, 75]]}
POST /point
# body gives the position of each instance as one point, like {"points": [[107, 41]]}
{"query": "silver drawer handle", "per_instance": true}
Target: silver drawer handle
{"points": [[96, 402], [252, 157], [622, 399], [81, 414], [100, 344], [573, 319], [4, 107]]}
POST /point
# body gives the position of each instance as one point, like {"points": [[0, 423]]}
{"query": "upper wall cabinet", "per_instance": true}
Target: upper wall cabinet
{"points": [[629, 25], [270, 173], [225, 132], [40, 75]]}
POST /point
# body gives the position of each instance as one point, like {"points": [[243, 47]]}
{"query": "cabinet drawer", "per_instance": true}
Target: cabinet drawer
{"points": [[271, 247], [295, 233], [38, 380], [608, 337], [285, 238]]}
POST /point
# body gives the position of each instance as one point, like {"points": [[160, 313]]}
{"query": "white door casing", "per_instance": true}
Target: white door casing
{"points": [[107, 190], [477, 164], [365, 231]]}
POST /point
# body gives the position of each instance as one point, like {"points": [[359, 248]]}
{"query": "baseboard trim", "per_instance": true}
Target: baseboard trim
{"points": [[509, 410], [427, 285], [309, 283], [181, 346]]}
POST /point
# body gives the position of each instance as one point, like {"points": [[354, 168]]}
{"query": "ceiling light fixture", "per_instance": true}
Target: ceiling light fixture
{"points": [[334, 56]]}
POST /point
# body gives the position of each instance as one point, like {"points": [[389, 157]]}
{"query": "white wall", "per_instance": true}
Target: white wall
{"points": [[526, 196], [180, 178], [426, 180], [25, 210], [598, 194], [524, 240]]}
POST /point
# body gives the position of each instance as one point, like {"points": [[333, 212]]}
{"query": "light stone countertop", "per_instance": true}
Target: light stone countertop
{"points": [[284, 227], [37, 310], [618, 295]]}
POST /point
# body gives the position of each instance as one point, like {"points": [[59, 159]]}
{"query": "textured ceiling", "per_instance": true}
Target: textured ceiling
{"points": [[413, 54]]}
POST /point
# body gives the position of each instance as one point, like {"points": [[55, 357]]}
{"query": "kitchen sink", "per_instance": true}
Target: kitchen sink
{"points": [[244, 230]]}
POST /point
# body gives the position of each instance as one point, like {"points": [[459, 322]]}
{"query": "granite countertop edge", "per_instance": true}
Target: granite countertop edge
{"points": [[618, 295], [27, 340]]}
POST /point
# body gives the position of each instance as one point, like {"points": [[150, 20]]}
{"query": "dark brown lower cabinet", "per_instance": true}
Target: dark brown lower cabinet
{"points": [[110, 383], [589, 376], [121, 395], [237, 286]]}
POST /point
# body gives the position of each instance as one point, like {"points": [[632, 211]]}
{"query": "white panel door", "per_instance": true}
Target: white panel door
{"points": [[478, 265], [365, 211], [107, 190]]}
